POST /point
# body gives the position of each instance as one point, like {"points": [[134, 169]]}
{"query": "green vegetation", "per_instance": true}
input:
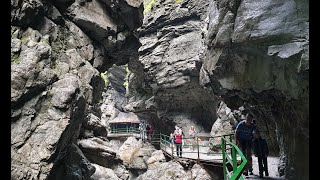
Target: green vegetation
{"points": [[15, 58], [148, 4], [24, 40], [104, 76]]}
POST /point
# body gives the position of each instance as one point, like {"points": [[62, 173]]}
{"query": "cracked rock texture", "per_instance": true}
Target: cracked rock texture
{"points": [[172, 66], [259, 58], [164, 83], [57, 50]]}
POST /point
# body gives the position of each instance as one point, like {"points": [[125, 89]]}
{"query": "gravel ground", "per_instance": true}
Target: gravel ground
{"points": [[272, 167]]}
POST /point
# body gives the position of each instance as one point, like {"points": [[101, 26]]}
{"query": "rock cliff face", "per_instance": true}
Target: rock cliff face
{"points": [[57, 50], [183, 58], [246, 52], [164, 83], [259, 57]]}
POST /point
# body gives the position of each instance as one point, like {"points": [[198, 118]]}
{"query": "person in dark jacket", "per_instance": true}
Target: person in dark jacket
{"points": [[243, 138], [261, 150]]}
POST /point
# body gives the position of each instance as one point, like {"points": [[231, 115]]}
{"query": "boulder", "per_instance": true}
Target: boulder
{"points": [[102, 173], [99, 152], [167, 170]]}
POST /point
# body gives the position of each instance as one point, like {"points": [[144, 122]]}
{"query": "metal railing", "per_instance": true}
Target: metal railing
{"points": [[232, 160], [142, 134], [228, 153], [124, 130], [202, 147]]}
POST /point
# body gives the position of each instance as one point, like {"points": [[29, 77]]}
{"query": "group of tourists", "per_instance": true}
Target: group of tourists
{"points": [[146, 131], [248, 138], [177, 138]]}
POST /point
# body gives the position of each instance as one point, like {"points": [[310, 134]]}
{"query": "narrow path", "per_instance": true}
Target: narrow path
{"points": [[272, 163], [188, 153], [272, 167]]}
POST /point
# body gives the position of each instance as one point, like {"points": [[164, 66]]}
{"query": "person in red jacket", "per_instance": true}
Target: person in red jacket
{"points": [[178, 142], [150, 133]]}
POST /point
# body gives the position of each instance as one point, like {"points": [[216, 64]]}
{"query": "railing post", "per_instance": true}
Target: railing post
{"points": [[223, 158], [234, 158], [144, 136], [172, 150], [225, 143], [198, 150], [160, 140], [140, 131]]}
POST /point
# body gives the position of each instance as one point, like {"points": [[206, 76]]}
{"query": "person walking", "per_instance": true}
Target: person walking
{"points": [[192, 136], [171, 140], [244, 137], [150, 133], [178, 142], [261, 150], [147, 129]]}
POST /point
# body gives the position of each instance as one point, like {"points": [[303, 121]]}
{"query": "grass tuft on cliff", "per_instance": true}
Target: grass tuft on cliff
{"points": [[148, 4]]}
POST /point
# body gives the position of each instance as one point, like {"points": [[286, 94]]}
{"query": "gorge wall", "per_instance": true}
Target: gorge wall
{"points": [[260, 56], [57, 50], [165, 81], [183, 58], [245, 53]]}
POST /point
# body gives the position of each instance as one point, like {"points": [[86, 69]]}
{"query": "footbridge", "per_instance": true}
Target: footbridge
{"points": [[210, 150]]}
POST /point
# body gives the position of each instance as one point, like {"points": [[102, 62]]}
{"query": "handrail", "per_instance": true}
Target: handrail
{"points": [[124, 130], [237, 170], [225, 143], [165, 142]]}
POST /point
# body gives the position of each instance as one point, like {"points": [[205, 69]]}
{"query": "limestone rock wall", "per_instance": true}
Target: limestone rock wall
{"points": [[182, 59], [259, 57], [58, 49], [164, 83]]}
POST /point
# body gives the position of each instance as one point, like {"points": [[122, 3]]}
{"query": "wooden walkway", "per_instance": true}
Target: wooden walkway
{"points": [[204, 155], [201, 152]]}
